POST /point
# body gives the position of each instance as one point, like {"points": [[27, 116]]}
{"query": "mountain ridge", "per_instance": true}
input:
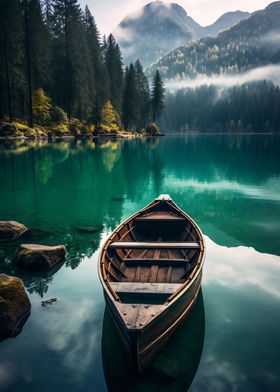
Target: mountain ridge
{"points": [[159, 27], [251, 43]]}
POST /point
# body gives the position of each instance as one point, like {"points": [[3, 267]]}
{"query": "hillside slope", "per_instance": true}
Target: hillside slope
{"points": [[252, 43]]}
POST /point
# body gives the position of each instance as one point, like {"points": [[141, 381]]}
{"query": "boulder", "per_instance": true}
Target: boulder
{"points": [[11, 230], [14, 306], [39, 257]]}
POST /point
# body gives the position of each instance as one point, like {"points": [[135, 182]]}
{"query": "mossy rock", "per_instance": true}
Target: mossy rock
{"points": [[11, 230], [39, 257], [15, 306]]}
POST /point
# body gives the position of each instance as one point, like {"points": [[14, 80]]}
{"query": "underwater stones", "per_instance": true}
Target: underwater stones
{"points": [[14, 306], [90, 229], [11, 230], [48, 302], [39, 257]]}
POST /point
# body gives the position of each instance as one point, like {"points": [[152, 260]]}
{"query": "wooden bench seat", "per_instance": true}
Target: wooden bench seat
{"points": [[159, 218], [154, 245], [149, 261], [135, 288]]}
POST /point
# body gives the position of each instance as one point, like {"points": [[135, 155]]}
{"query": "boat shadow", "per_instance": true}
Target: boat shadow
{"points": [[172, 370]]}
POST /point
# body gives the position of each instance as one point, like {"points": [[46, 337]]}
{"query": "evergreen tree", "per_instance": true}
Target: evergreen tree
{"points": [[39, 37], [52, 47], [98, 67], [130, 99], [66, 30], [12, 61], [109, 118], [5, 71], [113, 61], [157, 101], [28, 59], [41, 107], [58, 115], [143, 96]]}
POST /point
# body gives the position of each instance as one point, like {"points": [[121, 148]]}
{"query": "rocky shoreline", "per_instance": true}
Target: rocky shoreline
{"points": [[19, 131]]}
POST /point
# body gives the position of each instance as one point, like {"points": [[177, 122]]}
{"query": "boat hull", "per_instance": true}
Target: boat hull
{"points": [[143, 345]]}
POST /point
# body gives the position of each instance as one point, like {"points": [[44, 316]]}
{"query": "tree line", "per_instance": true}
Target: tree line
{"points": [[251, 107], [52, 50]]}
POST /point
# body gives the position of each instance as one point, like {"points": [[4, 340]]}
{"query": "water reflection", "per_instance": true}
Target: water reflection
{"points": [[242, 267], [228, 184], [174, 368]]}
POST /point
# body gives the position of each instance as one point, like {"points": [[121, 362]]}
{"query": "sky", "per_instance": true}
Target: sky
{"points": [[108, 13]]}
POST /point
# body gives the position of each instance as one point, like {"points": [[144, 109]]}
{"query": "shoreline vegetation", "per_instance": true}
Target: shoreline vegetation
{"points": [[19, 130], [60, 79]]}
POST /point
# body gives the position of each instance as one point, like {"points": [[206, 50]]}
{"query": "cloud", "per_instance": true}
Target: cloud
{"points": [[123, 34], [272, 38], [268, 191], [135, 15], [241, 267], [156, 4], [269, 72], [109, 13]]}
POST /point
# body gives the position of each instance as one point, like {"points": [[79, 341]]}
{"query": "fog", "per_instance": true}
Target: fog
{"points": [[272, 38], [269, 72]]}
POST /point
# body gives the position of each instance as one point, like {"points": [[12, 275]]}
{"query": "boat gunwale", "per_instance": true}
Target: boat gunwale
{"points": [[184, 287]]}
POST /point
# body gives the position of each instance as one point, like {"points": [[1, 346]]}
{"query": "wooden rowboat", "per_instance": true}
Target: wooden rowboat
{"points": [[150, 269]]}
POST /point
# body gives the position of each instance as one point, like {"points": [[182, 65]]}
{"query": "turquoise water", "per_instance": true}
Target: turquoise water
{"points": [[229, 184]]}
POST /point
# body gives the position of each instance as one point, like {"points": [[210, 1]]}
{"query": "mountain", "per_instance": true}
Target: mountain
{"points": [[225, 22], [152, 31], [159, 27], [252, 43]]}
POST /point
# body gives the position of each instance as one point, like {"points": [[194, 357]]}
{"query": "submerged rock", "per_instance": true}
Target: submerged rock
{"points": [[48, 301], [90, 229], [14, 306], [11, 230], [121, 198], [39, 257]]}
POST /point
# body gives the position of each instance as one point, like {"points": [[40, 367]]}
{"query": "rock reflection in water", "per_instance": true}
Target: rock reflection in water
{"points": [[174, 368]]}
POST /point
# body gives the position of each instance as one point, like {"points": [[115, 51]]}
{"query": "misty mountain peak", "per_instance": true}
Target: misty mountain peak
{"points": [[153, 30], [159, 27]]}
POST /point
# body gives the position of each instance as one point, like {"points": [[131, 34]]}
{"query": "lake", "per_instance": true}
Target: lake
{"points": [[230, 184]]}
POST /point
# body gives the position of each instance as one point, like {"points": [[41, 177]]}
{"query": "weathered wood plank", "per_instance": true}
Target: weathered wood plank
{"points": [[154, 245], [160, 218], [134, 262], [144, 288]]}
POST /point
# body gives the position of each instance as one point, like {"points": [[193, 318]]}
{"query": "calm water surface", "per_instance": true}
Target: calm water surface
{"points": [[229, 184]]}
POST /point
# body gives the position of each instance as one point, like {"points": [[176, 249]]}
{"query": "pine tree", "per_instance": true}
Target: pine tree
{"points": [[109, 118], [64, 11], [73, 65], [113, 60], [130, 99], [99, 70], [143, 96], [28, 59], [41, 107], [5, 73], [12, 61], [39, 37], [157, 101]]}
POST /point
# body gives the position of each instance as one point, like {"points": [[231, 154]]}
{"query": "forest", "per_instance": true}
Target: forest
{"points": [[252, 43], [251, 107], [57, 72]]}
